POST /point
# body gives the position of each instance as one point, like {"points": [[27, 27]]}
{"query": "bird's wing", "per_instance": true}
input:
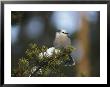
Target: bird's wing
{"points": [[67, 42], [56, 39]]}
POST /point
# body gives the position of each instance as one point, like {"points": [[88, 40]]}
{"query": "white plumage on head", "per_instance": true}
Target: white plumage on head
{"points": [[63, 31]]}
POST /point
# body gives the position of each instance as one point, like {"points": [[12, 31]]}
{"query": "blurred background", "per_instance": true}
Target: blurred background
{"points": [[40, 27]]}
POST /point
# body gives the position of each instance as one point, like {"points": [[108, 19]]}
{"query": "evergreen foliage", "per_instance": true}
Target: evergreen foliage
{"points": [[42, 61]]}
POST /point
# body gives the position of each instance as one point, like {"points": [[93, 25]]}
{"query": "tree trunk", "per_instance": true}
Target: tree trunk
{"points": [[83, 68]]}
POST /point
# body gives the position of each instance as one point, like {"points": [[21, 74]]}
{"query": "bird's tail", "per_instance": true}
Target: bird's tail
{"points": [[70, 62]]}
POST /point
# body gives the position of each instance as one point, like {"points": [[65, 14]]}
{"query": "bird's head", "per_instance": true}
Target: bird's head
{"points": [[64, 31]]}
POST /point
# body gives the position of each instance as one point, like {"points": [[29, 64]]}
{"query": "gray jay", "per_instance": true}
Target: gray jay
{"points": [[62, 40]]}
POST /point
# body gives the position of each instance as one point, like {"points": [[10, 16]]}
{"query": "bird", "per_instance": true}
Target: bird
{"points": [[63, 41]]}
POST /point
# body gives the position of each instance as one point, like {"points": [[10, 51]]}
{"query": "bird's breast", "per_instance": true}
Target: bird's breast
{"points": [[62, 40]]}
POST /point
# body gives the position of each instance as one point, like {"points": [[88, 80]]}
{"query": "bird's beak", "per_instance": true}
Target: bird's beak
{"points": [[66, 33]]}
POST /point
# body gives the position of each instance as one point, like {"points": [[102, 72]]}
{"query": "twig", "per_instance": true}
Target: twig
{"points": [[40, 66]]}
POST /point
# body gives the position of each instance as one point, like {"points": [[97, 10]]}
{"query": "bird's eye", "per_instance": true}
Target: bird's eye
{"points": [[63, 32]]}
